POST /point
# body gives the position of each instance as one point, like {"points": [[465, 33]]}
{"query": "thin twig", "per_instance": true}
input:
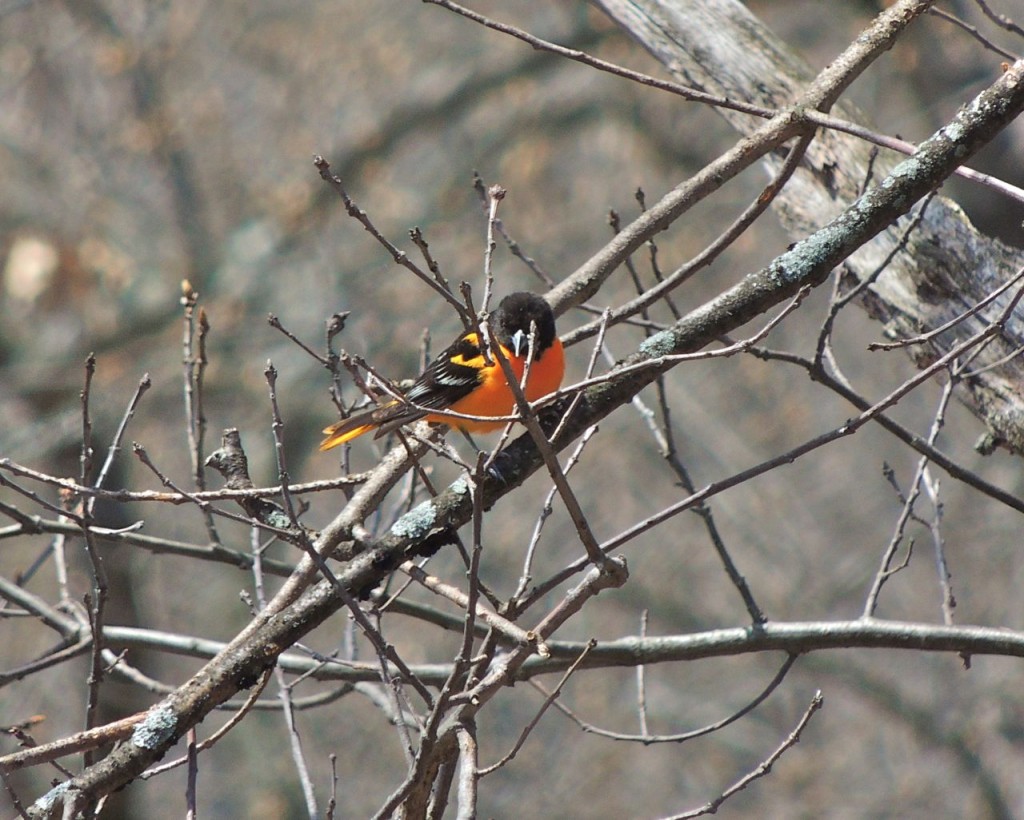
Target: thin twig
{"points": [[399, 256], [96, 599], [86, 453], [681, 737], [551, 698], [1000, 20], [192, 754], [284, 691], [945, 577], [546, 509], [885, 570], [195, 423], [794, 737], [115, 445], [513, 246], [934, 332], [641, 680], [510, 630], [973, 32]]}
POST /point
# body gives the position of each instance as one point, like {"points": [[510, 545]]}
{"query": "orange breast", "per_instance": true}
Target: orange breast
{"points": [[494, 397]]}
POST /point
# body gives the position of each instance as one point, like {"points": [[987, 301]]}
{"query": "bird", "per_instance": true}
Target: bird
{"points": [[463, 380]]}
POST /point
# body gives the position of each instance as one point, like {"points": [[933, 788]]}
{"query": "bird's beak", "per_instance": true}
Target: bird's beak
{"points": [[520, 343]]}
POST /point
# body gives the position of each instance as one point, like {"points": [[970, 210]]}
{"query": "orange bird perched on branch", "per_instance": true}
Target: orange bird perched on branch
{"points": [[462, 379]]}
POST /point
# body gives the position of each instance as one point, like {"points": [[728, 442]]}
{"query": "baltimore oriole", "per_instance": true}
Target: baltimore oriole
{"points": [[461, 379]]}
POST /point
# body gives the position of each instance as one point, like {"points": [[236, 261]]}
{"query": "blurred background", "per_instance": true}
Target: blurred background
{"points": [[142, 144]]}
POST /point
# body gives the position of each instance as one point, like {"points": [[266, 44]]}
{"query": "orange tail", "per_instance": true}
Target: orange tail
{"points": [[346, 430]]}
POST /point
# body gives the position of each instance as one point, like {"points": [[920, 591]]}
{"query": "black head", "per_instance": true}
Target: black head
{"points": [[514, 315]]}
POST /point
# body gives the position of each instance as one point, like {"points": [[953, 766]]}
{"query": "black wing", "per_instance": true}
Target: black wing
{"points": [[451, 376]]}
